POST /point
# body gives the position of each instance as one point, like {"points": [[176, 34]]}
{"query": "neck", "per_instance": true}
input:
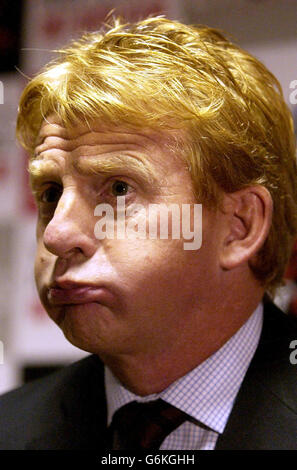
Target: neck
{"points": [[152, 372]]}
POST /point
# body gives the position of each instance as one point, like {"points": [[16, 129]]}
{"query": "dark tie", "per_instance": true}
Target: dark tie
{"points": [[143, 425]]}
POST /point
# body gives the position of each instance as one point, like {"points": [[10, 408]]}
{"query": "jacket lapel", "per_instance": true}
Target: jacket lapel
{"points": [[79, 422], [264, 412]]}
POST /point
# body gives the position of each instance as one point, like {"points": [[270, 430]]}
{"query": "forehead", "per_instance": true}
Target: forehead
{"points": [[84, 141], [53, 131]]}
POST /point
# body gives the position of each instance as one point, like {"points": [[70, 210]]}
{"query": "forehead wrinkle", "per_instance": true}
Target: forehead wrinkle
{"points": [[51, 144], [51, 129], [97, 149], [79, 142], [70, 136], [105, 134], [85, 142], [109, 165]]}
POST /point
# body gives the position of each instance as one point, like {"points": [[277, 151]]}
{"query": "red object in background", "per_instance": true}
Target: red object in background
{"points": [[3, 171], [91, 18], [53, 25], [154, 8]]}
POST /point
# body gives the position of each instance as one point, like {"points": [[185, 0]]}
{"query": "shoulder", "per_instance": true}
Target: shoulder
{"points": [[46, 405], [267, 399], [277, 338], [52, 385], [275, 364]]}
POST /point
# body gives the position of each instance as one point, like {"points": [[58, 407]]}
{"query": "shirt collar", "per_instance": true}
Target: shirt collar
{"points": [[207, 392]]}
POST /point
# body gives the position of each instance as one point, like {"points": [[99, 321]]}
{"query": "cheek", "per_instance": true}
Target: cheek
{"points": [[38, 268], [42, 266], [147, 265]]}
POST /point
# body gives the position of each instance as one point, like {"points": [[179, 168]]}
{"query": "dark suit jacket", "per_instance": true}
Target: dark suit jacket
{"points": [[67, 410]]}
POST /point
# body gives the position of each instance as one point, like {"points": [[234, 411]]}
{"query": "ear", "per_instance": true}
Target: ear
{"points": [[248, 220]]}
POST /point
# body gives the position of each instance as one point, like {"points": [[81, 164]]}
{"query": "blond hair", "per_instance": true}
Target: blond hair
{"points": [[161, 74]]}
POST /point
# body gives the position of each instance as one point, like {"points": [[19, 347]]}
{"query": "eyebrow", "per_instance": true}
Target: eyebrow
{"points": [[40, 170], [127, 164]]}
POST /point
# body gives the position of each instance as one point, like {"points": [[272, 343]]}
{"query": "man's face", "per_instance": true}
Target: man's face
{"points": [[118, 296]]}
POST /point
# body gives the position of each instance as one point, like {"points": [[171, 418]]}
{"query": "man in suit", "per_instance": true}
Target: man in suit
{"points": [[123, 124]]}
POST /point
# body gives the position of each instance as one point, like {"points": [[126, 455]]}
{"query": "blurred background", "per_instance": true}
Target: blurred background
{"points": [[30, 344]]}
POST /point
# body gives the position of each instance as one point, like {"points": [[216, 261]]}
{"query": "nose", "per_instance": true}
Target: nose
{"points": [[71, 229]]}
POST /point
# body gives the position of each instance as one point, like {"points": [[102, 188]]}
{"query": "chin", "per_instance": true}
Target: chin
{"points": [[80, 343], [86, 328], [80, 337]]}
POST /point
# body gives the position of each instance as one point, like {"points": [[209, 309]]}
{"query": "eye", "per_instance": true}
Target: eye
{"points": [[51, 195], [119, 188]]}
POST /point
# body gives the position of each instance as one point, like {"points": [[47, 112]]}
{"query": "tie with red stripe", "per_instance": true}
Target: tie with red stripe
{"points": [[144, 425]]}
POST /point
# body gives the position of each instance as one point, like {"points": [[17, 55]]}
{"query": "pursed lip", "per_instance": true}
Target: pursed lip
{"points": [[68, 292]]}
